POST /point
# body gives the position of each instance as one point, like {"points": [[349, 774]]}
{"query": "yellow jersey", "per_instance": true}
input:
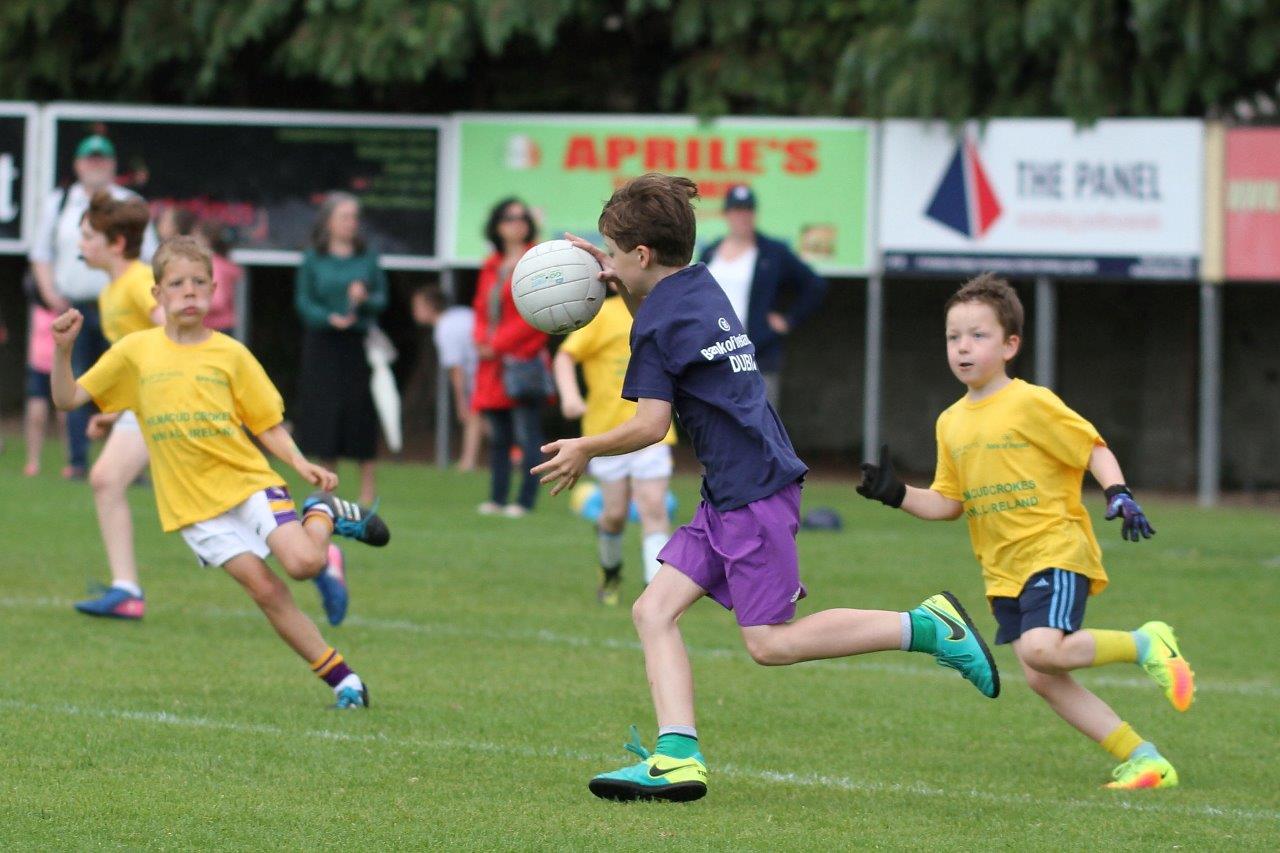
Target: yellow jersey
{"points": [[126, 303], [193, 403], [1016, 460], [603, 348]]}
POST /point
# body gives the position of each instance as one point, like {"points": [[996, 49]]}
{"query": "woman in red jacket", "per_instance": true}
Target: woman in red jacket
{"points": [[506, 345]]}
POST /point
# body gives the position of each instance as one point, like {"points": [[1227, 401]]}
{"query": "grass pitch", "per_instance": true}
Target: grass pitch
{"points": [[499, 687]]}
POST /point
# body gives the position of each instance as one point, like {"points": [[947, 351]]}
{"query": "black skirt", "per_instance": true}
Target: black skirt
{"points": [[336, 417]]}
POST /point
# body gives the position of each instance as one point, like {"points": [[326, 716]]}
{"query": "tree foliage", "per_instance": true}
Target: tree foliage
{"points": [[920, 58]]}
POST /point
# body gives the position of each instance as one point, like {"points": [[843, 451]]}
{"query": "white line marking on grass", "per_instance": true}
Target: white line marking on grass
{"points": [[800, 780], [444, 629]]}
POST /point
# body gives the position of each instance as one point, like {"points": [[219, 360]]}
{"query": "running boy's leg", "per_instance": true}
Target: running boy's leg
{"points": [[615, 498], [294, 627], [676, 769], [1142, 765], [306, 552], [829, 634], [651, 500], [123, 459], [35, 422], [1043, 623], [1153, 646], [656, 614], [1068, 698], [272, 596]]}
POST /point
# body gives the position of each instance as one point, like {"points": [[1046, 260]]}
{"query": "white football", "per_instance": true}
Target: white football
{"points": [[557, 287]]}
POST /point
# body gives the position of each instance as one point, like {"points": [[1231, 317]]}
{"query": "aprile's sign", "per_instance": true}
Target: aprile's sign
{"points": [[1122, 199], [811, 177]]}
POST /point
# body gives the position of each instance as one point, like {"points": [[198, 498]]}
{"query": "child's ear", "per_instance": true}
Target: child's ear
{"points": [[117, 245], [646, 256], [1012, 344]]}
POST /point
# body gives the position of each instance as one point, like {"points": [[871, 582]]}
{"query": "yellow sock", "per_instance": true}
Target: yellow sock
{"points": [[1123, 741], [1112, 647]]}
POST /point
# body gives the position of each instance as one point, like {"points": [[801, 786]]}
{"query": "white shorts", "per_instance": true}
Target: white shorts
{"points": [[243, 529], [648, 463], [127, 421]]}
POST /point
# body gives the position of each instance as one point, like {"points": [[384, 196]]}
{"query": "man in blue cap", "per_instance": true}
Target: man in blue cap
{"points": [[66, 281], [771, 289]]}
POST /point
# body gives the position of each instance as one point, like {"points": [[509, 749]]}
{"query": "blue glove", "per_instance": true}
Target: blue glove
{"points": [[1120, 503]]}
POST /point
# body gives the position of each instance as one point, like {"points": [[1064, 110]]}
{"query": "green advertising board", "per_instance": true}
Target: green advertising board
{"points": [[811, 177]]}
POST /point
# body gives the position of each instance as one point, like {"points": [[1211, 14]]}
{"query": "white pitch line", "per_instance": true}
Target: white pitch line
{"points": [[1240, 688], [801, 780]]}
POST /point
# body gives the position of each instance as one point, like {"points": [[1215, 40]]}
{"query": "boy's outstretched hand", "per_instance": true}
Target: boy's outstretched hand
{"points": [[321, 478], [879, 483], [565, 466], [1120, 504], [67, 328]]}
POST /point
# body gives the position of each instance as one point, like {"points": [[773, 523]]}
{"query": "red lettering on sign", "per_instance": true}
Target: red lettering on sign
{"points": [[692, 155], [617, 149], [581, 153], [749, 155], [716, 158], [801, 159], [660, 155]]}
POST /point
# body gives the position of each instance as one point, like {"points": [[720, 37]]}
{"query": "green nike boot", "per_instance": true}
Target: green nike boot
{"points": [[656, 777], [959, 645]]}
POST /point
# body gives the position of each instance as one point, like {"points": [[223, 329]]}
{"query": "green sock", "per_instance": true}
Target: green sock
{"points": [[676, 746], [924, 632], [1146, 749]]}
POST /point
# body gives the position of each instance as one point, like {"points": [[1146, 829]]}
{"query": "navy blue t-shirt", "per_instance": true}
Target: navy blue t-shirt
{"points": [[688, 348]]}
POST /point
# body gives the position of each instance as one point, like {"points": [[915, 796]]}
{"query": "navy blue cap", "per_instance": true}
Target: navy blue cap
{"points": [[740, 197]]}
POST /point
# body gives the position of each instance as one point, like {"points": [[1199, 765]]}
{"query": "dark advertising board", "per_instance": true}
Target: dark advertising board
{"points": [[17, 178], [264, 174]]}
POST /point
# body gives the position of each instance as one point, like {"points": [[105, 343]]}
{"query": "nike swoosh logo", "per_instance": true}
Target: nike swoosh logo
{"points": [[1172, 653], [656, 773], [957, 630]]}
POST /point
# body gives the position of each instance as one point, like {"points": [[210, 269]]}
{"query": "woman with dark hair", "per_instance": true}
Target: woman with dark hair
{"points": [[513, 377], [340, 290]]}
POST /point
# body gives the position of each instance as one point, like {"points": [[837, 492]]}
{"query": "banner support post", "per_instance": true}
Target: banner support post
{"points": [[444, 400], [1210, 461], [1046, 330], [242, 303], [873, 370]]}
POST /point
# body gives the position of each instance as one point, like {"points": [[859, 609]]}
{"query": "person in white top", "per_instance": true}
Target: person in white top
{"points": [[65, 281], [771, 289], [456, 349]]}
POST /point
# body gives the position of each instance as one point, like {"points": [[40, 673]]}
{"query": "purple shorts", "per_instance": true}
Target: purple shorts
{"points": [[744, 558]]}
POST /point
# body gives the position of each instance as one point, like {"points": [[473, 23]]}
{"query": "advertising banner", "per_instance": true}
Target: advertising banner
{"points": [[1122, 199], [1253, 204], [265, 173], [17, 175], [811, 177]]}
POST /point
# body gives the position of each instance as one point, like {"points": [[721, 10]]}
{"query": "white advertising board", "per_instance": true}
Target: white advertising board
{"points": [[1122, 199]]}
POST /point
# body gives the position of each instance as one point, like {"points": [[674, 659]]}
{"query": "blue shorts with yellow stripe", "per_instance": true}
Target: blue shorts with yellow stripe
{"points": [[1054, 598]]}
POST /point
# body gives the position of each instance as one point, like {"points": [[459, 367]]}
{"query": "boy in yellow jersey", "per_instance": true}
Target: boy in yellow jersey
{"points": [[1011, 459], [111, 233], [194, 392], [603, 348]]}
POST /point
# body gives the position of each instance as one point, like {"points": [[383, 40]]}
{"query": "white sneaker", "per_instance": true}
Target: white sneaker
{"points": [[514, 511], [489, 508]]}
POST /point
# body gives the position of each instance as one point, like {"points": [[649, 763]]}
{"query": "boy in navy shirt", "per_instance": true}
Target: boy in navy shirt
{"points": [[689, 353]]}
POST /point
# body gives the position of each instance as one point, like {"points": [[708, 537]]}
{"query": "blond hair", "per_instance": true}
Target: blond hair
{"points": [[185, 247]]}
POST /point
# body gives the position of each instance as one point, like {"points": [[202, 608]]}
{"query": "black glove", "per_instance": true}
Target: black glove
{"points": [[879, 483], [1120, 504]]}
